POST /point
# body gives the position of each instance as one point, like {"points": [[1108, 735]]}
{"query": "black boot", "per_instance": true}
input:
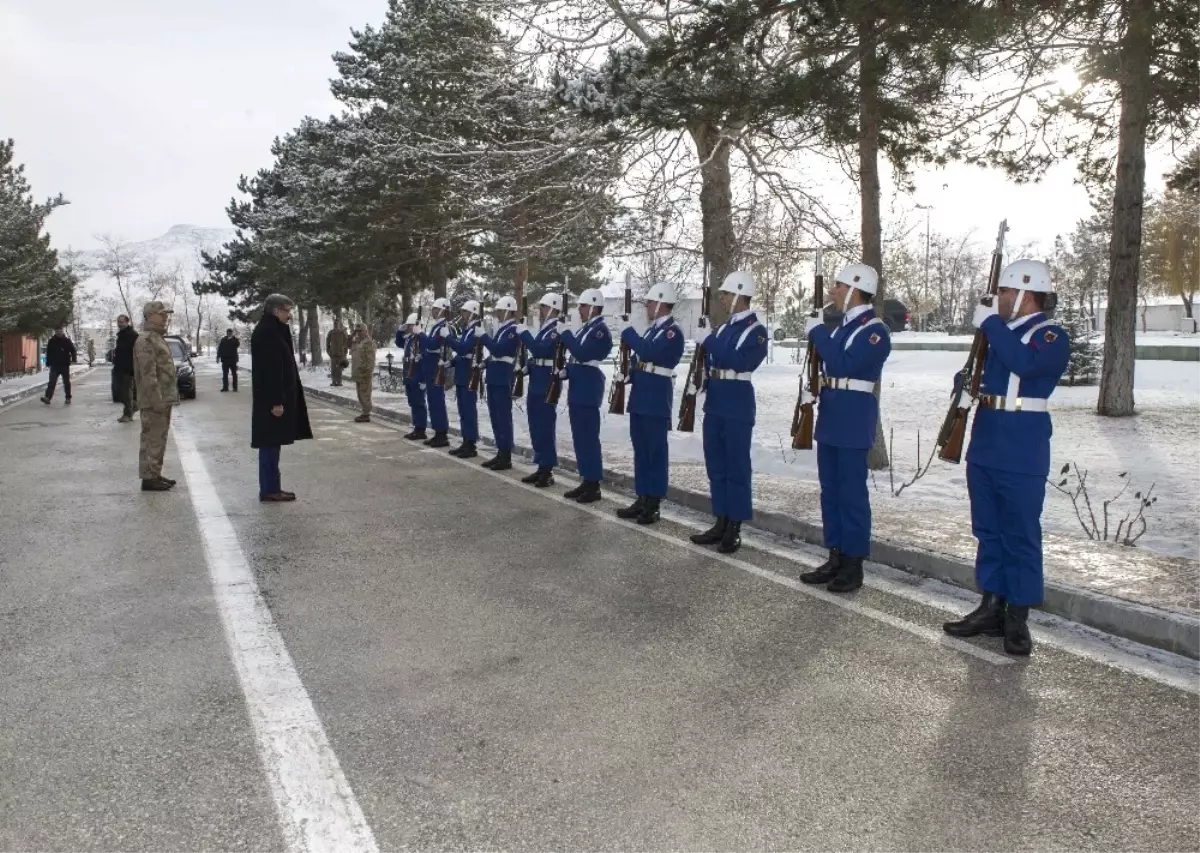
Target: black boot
{"points": [[590, 493], [416, 435], [1017, 640], [849, 575], [439, 440], [649, 513], [467, 451], [571, 494], [987, 618], [545, 478], [714, 534], [155, 484], [503, 461], [825, 572], [532, 476], [732, 539], [633, 510]]}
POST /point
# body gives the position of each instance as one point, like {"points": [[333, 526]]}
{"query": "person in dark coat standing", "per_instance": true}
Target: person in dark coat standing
{"points": [[227, 355], [123, 366], [279, 413], [60, 354]]}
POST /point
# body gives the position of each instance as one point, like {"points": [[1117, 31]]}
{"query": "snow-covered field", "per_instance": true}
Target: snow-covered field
{"points": [[1159, 447], [1144, 338]]}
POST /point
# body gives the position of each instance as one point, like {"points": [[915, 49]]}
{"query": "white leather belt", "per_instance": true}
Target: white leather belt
{"points": [[731, 374], [1012, 404], [506, 359], [542, 362], [651, 367], [843, 384], [589, 363]]}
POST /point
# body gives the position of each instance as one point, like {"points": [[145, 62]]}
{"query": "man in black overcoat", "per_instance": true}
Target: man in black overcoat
{"points": [[280, 415]]}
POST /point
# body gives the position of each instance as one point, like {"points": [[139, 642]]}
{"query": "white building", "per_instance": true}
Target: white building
{"points": [[686, 313]]}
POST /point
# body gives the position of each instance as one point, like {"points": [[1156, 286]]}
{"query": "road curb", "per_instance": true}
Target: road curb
{"points": [[1169, 630], [34, 390]]}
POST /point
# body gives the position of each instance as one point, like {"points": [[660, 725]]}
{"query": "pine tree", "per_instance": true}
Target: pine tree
{"points": [[1085, 353]]}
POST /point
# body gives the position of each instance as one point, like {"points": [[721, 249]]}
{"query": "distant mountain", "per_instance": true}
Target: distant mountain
{"points": [[181, 245]]}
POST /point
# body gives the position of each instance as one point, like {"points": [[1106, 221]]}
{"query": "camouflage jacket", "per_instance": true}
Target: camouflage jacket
{"points": [[335, 343], [154, 372], [362, 360]]}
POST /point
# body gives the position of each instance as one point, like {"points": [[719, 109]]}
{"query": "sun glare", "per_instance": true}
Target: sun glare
{"points": [[1066, 79]]}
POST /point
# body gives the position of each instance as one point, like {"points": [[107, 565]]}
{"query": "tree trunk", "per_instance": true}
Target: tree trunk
{"points": [[1125, 245], [314, 335], [716, 209], [1187, 304], [438, 270], [868, 175], [300, 342], [520, 276]]}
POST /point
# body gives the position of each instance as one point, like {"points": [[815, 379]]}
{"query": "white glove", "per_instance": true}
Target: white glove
{"points": [[814, 320], [562, 374], [986, 308], [522, 328], [443, 332], [421, 385], [703, 337]]}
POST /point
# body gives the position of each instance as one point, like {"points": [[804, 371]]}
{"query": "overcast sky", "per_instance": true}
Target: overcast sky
{"points": [[144, 112]]}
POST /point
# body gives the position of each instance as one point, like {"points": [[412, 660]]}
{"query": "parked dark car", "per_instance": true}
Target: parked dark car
{"points": [[895, 314], [185, 371]]}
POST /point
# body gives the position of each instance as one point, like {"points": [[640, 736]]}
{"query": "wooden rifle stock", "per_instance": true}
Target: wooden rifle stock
{"points": [[616, 397], [695, 380], [518, 381], [554, 389], [475, 383], [805, 417], [953, 434]]}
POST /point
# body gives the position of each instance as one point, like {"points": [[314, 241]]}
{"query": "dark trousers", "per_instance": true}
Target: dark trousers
{"points": [[1006, 518], [651, 459], [845, 502], [125, 391], [269, 482], [228, 369], [727, 458], [55, 373]]}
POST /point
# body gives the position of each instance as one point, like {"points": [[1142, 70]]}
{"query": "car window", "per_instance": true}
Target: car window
{"points": [[178, 352]]}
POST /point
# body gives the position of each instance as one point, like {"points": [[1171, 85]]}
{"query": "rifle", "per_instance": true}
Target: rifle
{"points": [[554, 389], [803, 418], [954, 428], [695, 380], [616, 397], [439, 378], [518, 380], [412, 351]]}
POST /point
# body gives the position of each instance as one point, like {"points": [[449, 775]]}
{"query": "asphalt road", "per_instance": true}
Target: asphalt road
{"points": [[420, 654]]}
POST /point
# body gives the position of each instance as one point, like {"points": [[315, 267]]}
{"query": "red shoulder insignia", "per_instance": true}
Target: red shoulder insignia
{"points": [[670, 333], [1051, 337], [761, 340], [600, 334], [875, 339]]}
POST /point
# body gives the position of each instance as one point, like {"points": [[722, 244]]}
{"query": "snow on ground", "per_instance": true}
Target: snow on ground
{"points": [[1143, 338]]}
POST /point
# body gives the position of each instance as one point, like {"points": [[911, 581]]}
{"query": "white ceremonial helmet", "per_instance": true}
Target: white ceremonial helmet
{"points": [[506, 303], [858, 277], [1026, 275], [411, 320], [442, 302], [552, 300], [739, 282], [593, 296], [471, 307], [666, 293]]}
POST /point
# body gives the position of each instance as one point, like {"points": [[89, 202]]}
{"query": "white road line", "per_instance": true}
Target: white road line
{"points": [[938, 638], [316, 807]]}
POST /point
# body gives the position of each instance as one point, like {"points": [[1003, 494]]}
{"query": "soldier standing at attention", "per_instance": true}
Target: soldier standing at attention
{"points": [[463, 362], [585, 393], [543, 417], [432, 345], [1009, 454], [158, 393], [497, 379], [414, 387], [852, 357], [733, 353], [335, 348], [362, 369], [655, 356], [227, 356]]}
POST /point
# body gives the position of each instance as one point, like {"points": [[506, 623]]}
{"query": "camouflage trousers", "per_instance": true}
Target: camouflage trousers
{"points": [[154, 443], [335, 368], [364, 395]]}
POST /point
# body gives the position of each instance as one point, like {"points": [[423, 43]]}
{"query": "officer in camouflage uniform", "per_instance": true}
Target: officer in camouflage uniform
{"points": [[362, 369], [335, 346], [157, 392]]}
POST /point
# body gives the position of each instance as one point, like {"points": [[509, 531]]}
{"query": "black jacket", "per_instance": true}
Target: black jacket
{"points": [[60, 352], [276, 382], [227, 350], [123, 353]]}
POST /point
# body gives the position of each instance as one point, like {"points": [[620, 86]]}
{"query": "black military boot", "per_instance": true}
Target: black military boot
{"points": [[503, 461], [416, 435], [633, 510], [849, 575], [590, 493], [825, 572], [732, 538], [571, 494], [649, 513], [1017, 640], [987, 618], [532, 476], [155, 484], [545, 478], [439, 440], [714, 534], [467, 451], [166, 480]]}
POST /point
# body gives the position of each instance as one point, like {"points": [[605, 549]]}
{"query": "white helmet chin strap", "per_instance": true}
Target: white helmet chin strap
{"points": [[1017, 305], [846, 301]]}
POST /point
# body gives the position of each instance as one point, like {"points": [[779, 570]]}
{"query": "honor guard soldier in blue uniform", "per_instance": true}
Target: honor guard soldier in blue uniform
{"points": [[656, 354], [463, 362], [585, 392], [1009, 454], [732, 354], [497, 380], [542, 416], [852, 357], [407, 340], [432, 345]]}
